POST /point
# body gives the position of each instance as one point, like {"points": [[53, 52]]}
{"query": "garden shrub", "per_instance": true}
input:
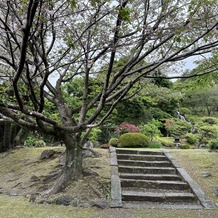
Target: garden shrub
{"points": [[95, 135], [151, 129], [167, 142], [210, 120], [114, 142], [134, 140], [30, 141], [127, 128], [34, 141], [154, 144], [186, 146], [158, 114], [213, 144], [191, 138], [177, 127], [39, 143], [185, 111]]}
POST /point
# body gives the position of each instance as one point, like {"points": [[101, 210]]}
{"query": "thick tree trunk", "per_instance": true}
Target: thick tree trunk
{"points": [[72, 169]]}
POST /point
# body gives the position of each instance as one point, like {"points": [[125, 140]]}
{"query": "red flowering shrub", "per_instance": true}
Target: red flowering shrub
{"points": [[126, 128]]}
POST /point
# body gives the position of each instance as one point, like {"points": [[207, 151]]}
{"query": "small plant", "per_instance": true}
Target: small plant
{"points": [[186, 146], [134, 140], [95, 135], [39, 143], [30, 141], [114, 142], [213, 144]]}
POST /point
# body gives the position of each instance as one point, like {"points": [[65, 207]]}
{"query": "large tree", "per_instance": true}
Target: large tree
{"points": [[67, 39]]}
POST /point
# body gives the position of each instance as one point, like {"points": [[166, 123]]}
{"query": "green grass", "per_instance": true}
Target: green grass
{"points": [[195, 162], [21, 208]]}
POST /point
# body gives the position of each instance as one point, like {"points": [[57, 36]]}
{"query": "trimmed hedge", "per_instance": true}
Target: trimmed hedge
{"points": [[135, 140]]}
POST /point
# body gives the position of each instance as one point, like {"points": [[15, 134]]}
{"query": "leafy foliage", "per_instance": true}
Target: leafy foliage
{"points": [[114, 142], [130, 111], [165, 141], [177, 127], [151, 129], [34, 140], [95, 135], [213, 144], [135, 140], [127, 128], [191, 138], [207, 132], [185, 146]]}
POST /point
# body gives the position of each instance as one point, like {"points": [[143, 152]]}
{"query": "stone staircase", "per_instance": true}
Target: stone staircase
{"points": [[150, 179]]}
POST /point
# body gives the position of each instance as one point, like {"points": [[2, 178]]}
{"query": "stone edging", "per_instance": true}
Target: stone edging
{"points": [[116, 197], [194, 186]]}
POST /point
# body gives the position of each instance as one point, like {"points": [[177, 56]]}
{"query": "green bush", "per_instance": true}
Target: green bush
{"points": [[167, 142], [30, 141], [95, 135], [154, 144], [151, 129], [185, 111], [191, 138], [34, 141], [134, 140], [213, 144], [177, 127], [114, 142], [210, 120], [39, 143], [185, 146]]}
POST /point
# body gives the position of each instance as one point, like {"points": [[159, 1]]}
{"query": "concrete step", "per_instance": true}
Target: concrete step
{"points": [[162, 205], [139, 152], [159, 184], [144, 163], [146, 170], [168, 177], [158, 196], [158, 157]]}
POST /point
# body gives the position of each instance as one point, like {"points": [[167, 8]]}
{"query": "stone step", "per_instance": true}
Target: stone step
{"points": [[140, 152], [168, 177], [158, 196], [141, 157], [146, 170], [162, 205], [144, 163], [172, 185]]}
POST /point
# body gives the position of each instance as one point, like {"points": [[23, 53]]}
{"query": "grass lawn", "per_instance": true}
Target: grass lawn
{"points": [[193, 160], [21, 208], [196, 162]]}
